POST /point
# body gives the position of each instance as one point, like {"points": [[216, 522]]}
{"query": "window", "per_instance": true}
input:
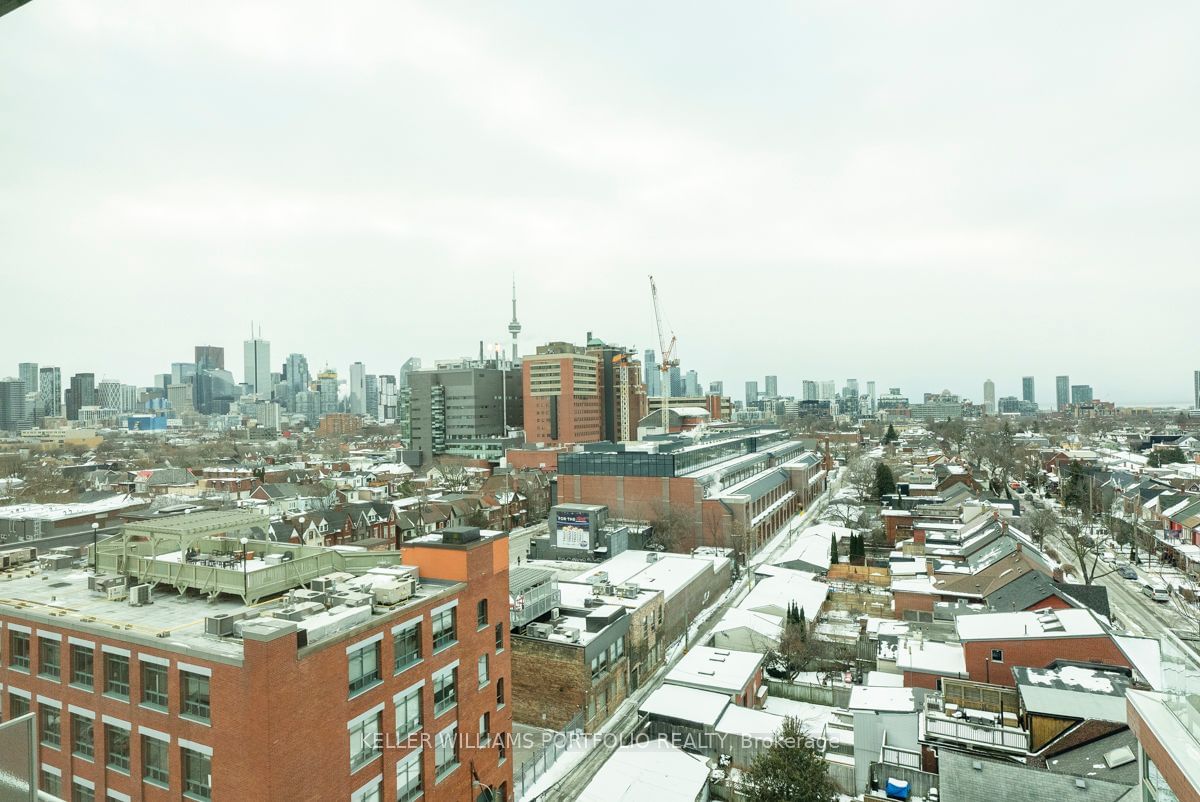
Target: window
{"points": [[443, 629], [154, 686], [51, 725], [82, 793], [82, 661], [18, 650], [407, 645], [444, 695], [51, 783], [370, 793], [195, 695], [82, 741], [502, 749], [116, 676], [481, 613], [197, 774], [408, 713], [364, 667], [49, 658], [499, 692], [445, 751], [365, 741], [17, 706], [997, 655], [499, 637], [116, 748], [485, 729], [155, 767], [408, 778], [483, 670]]}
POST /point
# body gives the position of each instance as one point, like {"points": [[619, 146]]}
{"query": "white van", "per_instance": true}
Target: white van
{"points": [[1156, 592]]}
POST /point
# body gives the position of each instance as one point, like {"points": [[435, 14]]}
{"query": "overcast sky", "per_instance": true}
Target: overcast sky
{"points": [[925, 194]]}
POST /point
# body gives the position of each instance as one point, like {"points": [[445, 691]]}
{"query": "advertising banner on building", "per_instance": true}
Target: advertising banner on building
{"points": [[573, 530]]}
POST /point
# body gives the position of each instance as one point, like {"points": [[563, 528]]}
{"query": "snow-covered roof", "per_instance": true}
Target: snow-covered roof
{"points": [[1146, 656], [931, 657], [748, 722], [648, 770], [667, 572], [1022, 625], [774, 594], [686, 704], [1073, 692], [882, 699], [882, 679], [724, 670], [765, 624]]}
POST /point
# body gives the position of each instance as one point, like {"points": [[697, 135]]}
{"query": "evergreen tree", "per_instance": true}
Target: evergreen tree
{"points": [[885, 482], [790, 770], [802, 622], [890, 436], [833, 551]]}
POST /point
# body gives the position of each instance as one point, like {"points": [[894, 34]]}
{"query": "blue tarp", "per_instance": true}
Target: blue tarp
{"points": [[896, 789]]}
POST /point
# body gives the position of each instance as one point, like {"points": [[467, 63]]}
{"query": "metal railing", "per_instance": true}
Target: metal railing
{"points": [[999, 737], [532, 769]]}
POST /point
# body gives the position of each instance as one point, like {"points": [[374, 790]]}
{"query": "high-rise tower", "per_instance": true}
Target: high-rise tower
{"points": [[514, 325]]}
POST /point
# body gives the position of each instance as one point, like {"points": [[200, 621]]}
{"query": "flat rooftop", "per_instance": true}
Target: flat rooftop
{"points": [[722, 670], [655, 570], [1023, 625], [176, 621]]}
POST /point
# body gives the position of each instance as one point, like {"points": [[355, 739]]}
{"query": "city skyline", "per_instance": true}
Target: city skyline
{"points": [[507, 152]]}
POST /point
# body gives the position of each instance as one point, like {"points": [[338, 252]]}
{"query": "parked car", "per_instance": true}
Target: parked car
{"points": [[1156, 592], [1126, 572]]}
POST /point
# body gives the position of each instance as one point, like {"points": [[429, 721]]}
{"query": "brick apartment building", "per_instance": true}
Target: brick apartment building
{"points": [[561, 385], [385, 679]]}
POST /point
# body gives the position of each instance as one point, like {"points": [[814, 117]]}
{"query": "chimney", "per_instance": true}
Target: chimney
{"points": [[929, 568]]}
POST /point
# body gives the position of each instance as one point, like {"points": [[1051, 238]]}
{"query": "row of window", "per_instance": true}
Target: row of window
{"points": [[194, 701], [155, 752]]}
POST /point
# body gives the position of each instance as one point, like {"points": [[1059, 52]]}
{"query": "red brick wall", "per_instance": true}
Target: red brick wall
{"points": [[918, 679], [1162, 757], [1036, 653], [903, 600]]}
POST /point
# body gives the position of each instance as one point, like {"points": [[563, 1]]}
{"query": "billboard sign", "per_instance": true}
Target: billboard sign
{"points": [[574, 530]]}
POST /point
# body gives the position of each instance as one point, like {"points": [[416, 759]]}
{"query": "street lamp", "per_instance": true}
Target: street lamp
{"points": [[95, 556], [245, 578]]}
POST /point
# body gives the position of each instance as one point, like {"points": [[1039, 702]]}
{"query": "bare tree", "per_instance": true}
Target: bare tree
{"points": [[1085, 548], [669, 526], [1039, 523], [860, 475]]}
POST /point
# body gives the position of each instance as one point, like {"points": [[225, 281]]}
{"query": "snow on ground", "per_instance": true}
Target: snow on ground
{"points": [[813, 717]]}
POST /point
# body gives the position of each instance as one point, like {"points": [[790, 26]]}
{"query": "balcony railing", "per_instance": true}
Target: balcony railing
{"points": [[944, 728], [534, 602]]}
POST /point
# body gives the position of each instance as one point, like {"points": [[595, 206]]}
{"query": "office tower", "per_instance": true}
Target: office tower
{"points": [[1062, 391], [827, 390], [1081, 394], [561, 388], [215, 391], [751, 394], [296, 374], [716, 388], [50, 392], [257, 368], [989, 397], [871, 396], [466, 402], [1027, 393], [514, 326], [80, 393], [1196, 390], [161, 382], [108, 395], [851, 389], [182, 372], [327, 392], [371, 395], [15, 413], [28, 373], [210, 357], [358, 389], [387, 397], [676, 379], [691, 384], [772, 383], [413, 363], [1008, 405], [623, 400], [653, 378], [808, 391]]}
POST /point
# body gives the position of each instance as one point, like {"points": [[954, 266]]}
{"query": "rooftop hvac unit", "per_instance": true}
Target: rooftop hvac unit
{"points": [[555, 613], [599, 578], [652, 556], [299, 612], [393, 592], [324, 584], [55, 562], [352, 599], [542, 631], [139, 595], [593, 601], [570, 633], [629, 590], [300, 595], [74, 552], [220, 625], [117, 592]]}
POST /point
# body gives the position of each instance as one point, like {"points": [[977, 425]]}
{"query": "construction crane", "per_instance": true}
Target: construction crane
{"points": [[667, 353]]}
